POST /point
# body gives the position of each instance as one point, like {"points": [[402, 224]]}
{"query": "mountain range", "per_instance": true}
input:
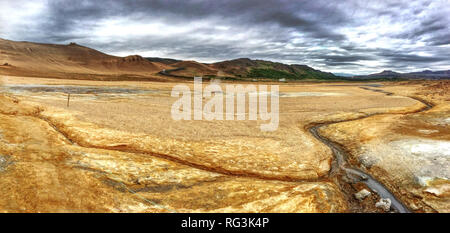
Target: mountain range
{"points": [[80, 62], [389, 74]]}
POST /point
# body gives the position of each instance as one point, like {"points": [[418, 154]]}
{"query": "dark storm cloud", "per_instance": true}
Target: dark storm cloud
{"points": [[346, 64], [348, 58], [432, 25], [399, 57], [443, 39], [64, 16], [365, 36]]}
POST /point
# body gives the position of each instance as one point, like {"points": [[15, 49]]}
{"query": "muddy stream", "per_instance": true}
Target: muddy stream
{"points": [[341, 165]]}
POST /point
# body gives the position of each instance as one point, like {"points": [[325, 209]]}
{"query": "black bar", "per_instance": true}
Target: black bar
{"points": [[236, 222]]}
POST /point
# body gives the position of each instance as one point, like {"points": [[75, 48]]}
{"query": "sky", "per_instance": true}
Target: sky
{"points": [[356, 37]]}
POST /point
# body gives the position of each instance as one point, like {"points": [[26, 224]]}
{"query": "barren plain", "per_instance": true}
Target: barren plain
{"points": [[115, 148]]}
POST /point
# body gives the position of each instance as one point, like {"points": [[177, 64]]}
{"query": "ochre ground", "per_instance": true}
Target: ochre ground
{"points": [[124, 153]]}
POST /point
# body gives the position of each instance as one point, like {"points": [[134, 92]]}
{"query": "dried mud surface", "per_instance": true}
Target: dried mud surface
{"points": [[116, 152]]}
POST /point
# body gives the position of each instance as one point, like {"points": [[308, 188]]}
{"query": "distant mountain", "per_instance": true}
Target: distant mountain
{"points": [[426, 74], [442, 74]]}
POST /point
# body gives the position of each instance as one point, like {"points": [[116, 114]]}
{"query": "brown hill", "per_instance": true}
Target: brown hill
{"points": [[261, 69], [75, 61], [167, 61], [238, 67], [193, 68]]}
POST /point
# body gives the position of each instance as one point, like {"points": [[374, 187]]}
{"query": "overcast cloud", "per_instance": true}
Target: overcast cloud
{"points": [[339, 36]]}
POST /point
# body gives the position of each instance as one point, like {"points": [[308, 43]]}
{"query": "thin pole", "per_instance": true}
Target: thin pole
{"points": [[68, 99]]}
